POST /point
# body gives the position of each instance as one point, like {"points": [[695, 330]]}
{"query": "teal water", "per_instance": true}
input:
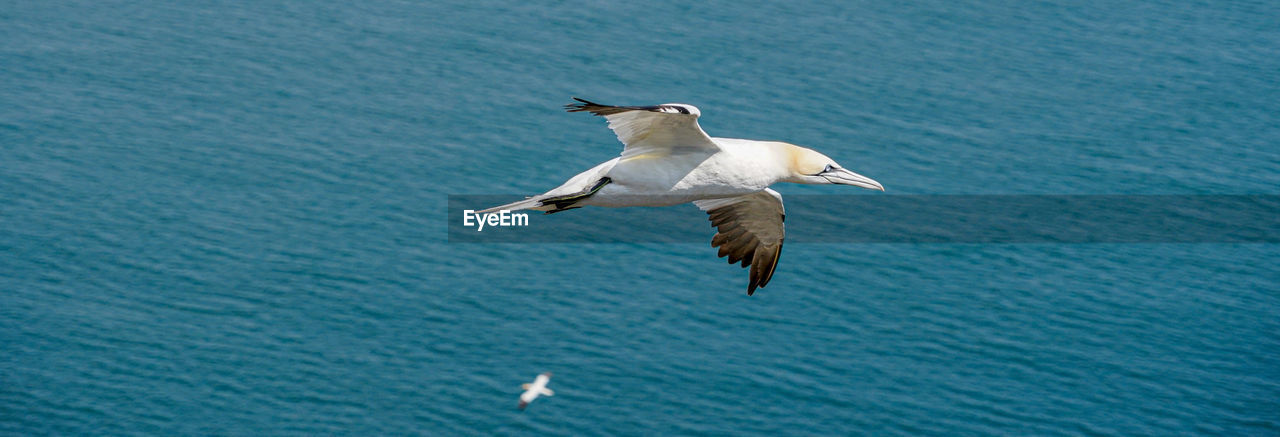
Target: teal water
{"points": [[229, 218]]}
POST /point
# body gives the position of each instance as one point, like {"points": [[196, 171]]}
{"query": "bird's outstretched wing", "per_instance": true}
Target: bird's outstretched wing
{"points": [[749, 229], [658, 130]]}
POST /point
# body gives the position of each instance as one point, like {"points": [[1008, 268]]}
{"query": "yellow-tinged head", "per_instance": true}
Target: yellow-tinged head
{"points": [[811, 167]]}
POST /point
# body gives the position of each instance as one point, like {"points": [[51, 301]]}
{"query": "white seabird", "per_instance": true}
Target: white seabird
{"points": [[538, 387], [667, 159]]}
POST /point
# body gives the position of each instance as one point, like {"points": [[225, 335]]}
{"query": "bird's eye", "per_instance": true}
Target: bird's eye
{"points": [[829, 168]]}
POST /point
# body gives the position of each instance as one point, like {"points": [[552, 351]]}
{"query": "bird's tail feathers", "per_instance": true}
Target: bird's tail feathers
{"points": [[530, 203], [553, 203]]}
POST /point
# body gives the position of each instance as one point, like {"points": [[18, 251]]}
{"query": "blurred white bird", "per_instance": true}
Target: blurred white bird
{"points": [[538, 387], [667, 159]]}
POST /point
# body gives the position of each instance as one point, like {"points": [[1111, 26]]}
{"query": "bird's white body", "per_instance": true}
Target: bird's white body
{"points": [[740, 167], [667, 159], [537, 388]]}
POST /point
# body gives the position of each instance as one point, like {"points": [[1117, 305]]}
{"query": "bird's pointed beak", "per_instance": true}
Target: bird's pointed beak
{"points": [[846, 177]]}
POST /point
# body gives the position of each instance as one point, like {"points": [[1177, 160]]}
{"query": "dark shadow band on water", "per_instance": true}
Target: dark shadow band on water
{"points": [[1000, 219]]}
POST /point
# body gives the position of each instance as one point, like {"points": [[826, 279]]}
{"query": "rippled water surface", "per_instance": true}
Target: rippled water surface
{"points": [[230, 218]]}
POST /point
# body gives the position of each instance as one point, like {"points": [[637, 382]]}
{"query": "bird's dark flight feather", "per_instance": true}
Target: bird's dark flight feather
{"points": [[603, 110]]}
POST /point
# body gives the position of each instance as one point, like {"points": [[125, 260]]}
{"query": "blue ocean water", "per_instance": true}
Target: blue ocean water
{"points": [[230, 218]]}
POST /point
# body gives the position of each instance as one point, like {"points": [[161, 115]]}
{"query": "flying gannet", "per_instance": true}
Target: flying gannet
{"points": [[538, 387], [667, 159]]}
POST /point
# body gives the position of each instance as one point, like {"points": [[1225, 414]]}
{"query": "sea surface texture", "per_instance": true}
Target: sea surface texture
{"points": [[231, 218]]}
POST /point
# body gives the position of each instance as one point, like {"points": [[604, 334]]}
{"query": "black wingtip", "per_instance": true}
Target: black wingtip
{"points": [[579, 107]]}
